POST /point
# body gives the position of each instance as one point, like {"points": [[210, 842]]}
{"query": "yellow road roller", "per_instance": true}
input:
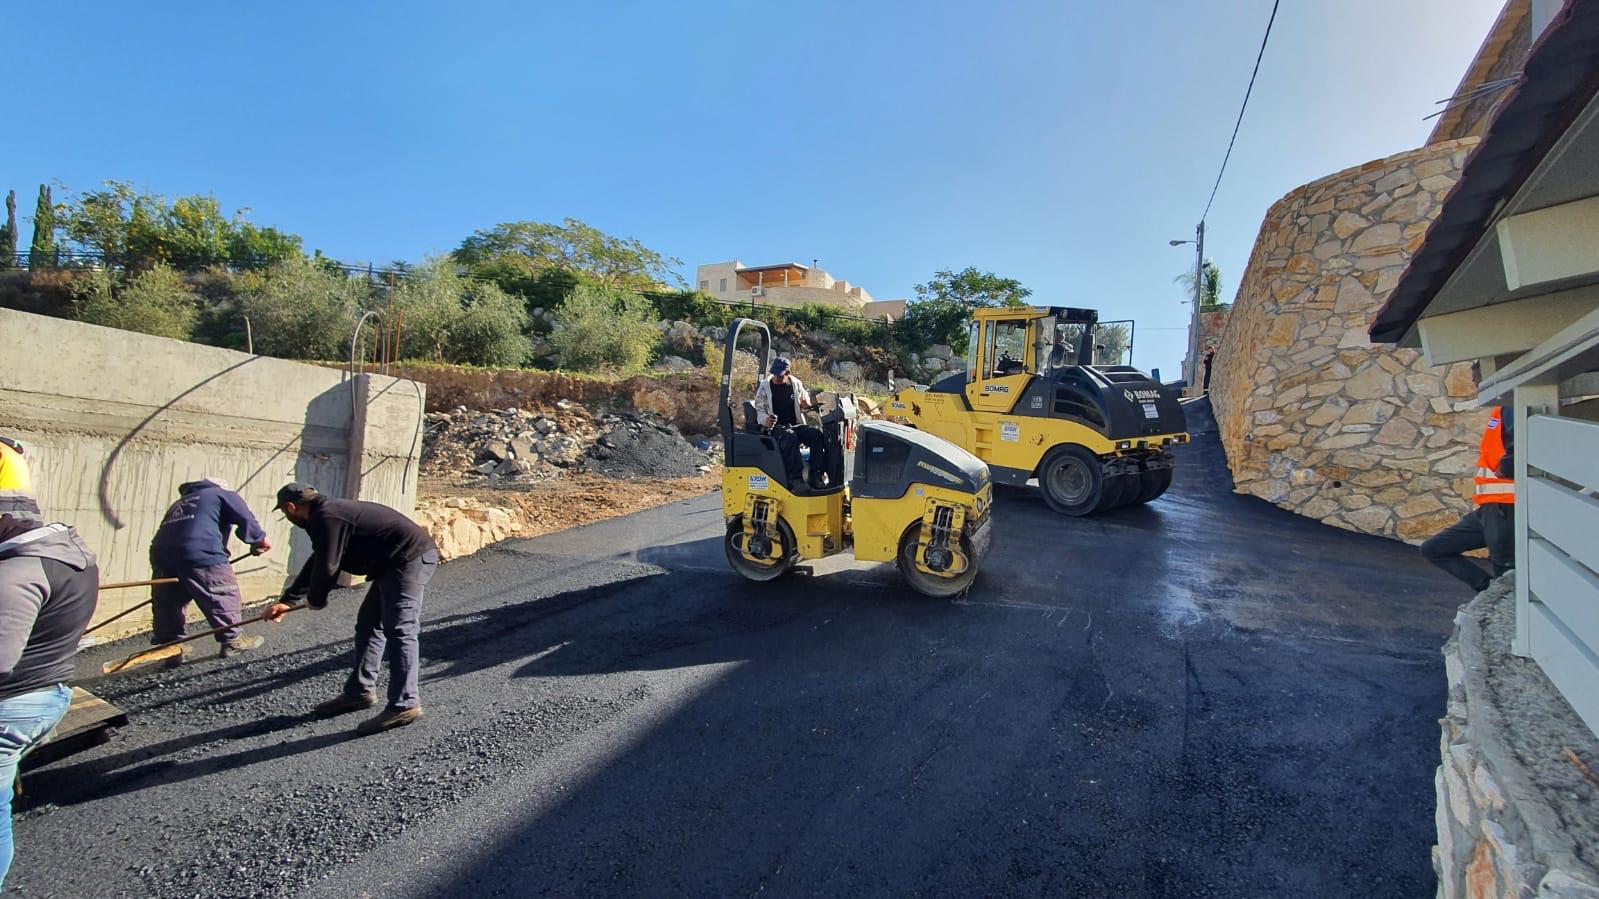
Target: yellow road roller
{"points": [[883, 491]]}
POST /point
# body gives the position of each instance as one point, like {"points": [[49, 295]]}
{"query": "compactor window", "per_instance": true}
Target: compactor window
{"points": [[1009, 348]]}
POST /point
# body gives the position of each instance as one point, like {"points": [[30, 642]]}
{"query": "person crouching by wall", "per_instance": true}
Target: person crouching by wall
{"points": [[49, 583], [192, 546], [1491, 523]]}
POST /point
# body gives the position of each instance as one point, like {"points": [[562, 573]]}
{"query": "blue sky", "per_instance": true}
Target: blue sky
{"points": [[1059, 143]]}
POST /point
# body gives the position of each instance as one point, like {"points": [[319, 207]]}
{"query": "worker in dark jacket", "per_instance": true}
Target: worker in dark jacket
{"points": [[192, 546], [399, 558], [48, 586], [1491, 524]]}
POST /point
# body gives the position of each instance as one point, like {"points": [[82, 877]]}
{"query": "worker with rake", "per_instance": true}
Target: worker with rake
{"points": [[399, 558], [192, 547]]}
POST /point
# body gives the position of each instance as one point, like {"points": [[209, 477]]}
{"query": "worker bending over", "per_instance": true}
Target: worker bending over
{"points": [[781, 401], [192, 546], [1491, 523], [399, 558], [48, 586]]}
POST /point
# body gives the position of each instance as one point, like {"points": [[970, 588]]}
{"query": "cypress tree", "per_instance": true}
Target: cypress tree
{"points": [[8, 232], [41, 253]]}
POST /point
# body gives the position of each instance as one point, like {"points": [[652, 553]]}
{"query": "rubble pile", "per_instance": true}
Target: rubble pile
{"points": [[636, 445], [506, 443], [527, 446]]}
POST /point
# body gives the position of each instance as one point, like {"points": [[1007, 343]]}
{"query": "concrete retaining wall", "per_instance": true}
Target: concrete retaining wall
{"points": [[115, 420]]}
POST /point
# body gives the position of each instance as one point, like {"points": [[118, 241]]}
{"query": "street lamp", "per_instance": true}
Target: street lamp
{"points": [[1191, 364]]}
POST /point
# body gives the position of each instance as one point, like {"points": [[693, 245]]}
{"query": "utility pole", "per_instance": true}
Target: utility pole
{"points": [[1194, 383]]}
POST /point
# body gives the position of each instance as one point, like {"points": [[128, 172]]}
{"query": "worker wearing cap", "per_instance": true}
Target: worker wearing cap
{"points": [[1491, 524], [781, 401], [192, 546], [399, 559], [49, 583]]}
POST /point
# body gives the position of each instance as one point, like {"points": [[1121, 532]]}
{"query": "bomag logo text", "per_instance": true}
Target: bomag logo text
{"points": [[1134, 396], [996, 388], [940, 472]]}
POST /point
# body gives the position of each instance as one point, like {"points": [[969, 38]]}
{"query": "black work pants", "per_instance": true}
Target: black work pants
{"points": [[1490, 526], [789, 441]]}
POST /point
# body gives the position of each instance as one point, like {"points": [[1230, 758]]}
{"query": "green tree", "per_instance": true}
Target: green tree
{"points": [[519, 255], [444, 317], [156, 301], [603, 329], [8, 233], [1210, 293], [300, 310], [943, 306], [41, 253], [250, 247]]}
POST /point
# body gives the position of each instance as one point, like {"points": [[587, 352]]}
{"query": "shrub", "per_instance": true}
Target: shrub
{"points": [[156, 302], [696, 308], [299, 309], [443, 317], [602, 329]]}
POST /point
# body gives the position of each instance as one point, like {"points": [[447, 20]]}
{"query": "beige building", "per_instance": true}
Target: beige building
{"points": [[790, 284]]}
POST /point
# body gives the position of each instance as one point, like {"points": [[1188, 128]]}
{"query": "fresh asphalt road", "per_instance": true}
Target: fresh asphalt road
{"points": [[1203, 697]]}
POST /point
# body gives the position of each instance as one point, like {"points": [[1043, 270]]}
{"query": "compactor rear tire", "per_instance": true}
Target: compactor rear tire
{"points": [[1072, 480], [753, 570], [1152, 483], [931, 584]]}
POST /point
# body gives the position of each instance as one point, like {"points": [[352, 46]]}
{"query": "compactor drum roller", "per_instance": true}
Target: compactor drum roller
{"points": [[1031, 404], [887, 493]]}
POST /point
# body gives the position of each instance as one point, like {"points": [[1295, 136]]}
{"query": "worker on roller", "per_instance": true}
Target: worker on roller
{"points": [[1491, 523], [781, 401], [398, 557], [48, 586], [192, 546]]}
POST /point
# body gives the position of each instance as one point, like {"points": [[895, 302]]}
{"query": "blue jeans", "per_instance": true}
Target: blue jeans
{"points": [[24, 721], [390, 618]]}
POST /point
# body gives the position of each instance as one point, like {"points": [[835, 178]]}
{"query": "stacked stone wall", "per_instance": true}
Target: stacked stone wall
{"points": [[1515, 814], [1313, 416]]}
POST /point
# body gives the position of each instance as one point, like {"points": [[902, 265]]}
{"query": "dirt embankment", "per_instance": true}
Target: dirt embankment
{"points": [[687, 399], [511, 453]]}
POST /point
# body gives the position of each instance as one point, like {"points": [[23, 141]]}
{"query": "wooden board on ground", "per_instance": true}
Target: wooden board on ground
{"points": [[89, 722]]}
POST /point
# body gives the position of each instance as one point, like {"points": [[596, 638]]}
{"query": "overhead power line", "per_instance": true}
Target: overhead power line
{"points": [[1241, 108]]}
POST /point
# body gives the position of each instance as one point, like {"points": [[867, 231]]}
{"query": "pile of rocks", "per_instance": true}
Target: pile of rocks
{"points": [[507, 443], [524, 445]]}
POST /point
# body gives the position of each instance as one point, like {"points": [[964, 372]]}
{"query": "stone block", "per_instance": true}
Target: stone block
{"points": [[1370, 520], [1559, 884], [1328, 412], [1368, 412], [1355, 501], [1421, 505], [1318, 508], [1438, 184], [1458, 382], [1344, 441], [1348, 223], [1370, 383], [1398, 432], [1354, 461], [1395, 180], [1352, 296], [1380, 236]]}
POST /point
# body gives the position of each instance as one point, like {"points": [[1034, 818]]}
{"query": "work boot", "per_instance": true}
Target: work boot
{"points": [[389, 719], [240, 644], [344, 702]]}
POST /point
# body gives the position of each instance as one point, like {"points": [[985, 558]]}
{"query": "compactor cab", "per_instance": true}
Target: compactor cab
{"points": [[1038, 398], [885, 491]]}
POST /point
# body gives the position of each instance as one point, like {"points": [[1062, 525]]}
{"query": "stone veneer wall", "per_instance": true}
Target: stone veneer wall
{"points": [[1314, 417], [1515, 815]]}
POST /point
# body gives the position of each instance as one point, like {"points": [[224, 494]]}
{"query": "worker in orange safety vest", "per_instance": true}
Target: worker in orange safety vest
{"points": [[1491, 524]]}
